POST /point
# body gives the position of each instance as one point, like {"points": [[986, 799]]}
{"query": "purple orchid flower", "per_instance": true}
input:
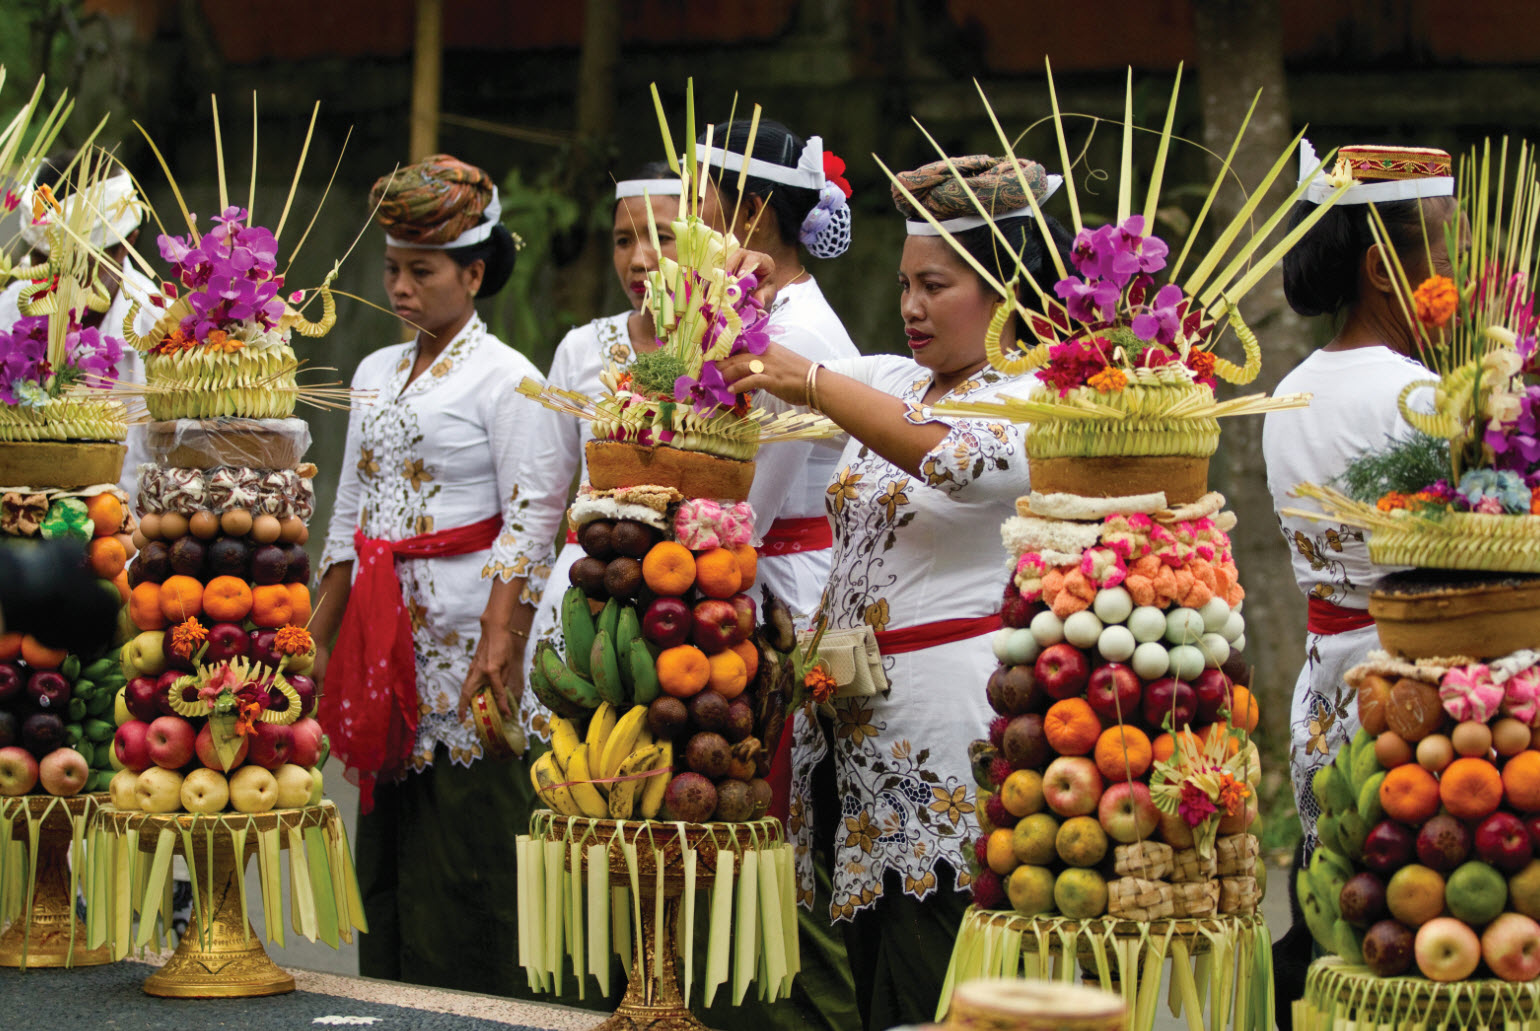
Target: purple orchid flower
{"points": [[1161, 320], [706, 393], [1089, 301]]}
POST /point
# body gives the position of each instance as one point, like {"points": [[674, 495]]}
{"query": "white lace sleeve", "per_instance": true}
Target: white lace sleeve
{"points": [[350, 491], [518, 551]]}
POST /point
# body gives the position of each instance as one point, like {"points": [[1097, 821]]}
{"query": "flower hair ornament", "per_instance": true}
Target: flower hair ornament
{"points": [[825, 230]]}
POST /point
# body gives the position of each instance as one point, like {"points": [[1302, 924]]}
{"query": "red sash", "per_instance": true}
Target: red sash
{"points": [[790, 536], [369, 706], [780, 771], [571, 536], [929, 635], [1324, 617]]}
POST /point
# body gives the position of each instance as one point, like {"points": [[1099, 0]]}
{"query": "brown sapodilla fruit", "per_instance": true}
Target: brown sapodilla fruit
{"points": [[1414, 709]]}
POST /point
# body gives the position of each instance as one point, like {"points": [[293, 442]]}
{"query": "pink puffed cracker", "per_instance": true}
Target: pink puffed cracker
{"points": [[1470, 694]]}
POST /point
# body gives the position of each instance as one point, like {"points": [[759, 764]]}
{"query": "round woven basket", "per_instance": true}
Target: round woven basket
{"points": [[47, 464], [1483, 621], [1008, 1004], [1461, 540], [695, 474], [1338, 994], [1181, 478]]}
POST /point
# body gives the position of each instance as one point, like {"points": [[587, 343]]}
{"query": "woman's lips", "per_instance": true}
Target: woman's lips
{"points": [[639, 288], [917, 339]]}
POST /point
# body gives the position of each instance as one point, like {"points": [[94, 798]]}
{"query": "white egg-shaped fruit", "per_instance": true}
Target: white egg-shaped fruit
{"points": [[1116, 643], [1183, 626], [1021, 648], [1239, 644], [1186, 662], [1151, 660], [1147, 623], [1082, 629], [1215, 649], [1047, 628], [1215, 614], [1112, 604], [1234, 627], [999, 642]]}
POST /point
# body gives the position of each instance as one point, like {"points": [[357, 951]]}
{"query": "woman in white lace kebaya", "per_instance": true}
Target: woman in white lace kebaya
{"points": [[424, 584], [917, 501]]}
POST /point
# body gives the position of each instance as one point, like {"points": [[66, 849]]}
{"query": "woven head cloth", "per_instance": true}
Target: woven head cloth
{"points": [[434, 203], [993, 180]]}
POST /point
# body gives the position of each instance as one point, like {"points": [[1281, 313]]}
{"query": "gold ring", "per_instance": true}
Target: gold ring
{"points": [[756, 366]]}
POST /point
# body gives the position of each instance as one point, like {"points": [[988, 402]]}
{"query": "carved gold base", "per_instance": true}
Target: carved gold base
{"points": [[51, 935], [220, 956], [653, 1003]]}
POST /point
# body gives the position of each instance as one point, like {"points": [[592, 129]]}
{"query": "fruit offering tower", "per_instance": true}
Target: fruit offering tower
{"points": [[1426, 882], [1117, 782]]}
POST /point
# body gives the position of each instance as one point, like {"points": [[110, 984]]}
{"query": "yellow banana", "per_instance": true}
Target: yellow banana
{"points": [[564, 739], [624, 794], [655, 787], [622, 740], [585, 794], [599, 729], [549, 786]]}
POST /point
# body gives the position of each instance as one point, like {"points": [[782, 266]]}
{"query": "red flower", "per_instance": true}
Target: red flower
{"points": [[834, 172]]}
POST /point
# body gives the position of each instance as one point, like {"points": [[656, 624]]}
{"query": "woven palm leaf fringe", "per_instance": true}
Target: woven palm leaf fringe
{"points": [[1220, 967], [1340, 997]]}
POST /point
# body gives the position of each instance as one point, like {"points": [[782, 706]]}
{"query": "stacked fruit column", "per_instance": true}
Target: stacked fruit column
{"points": [[1118, 778], [655, 711]]}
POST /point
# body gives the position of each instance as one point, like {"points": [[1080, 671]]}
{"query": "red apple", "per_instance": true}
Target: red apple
{"points": [[172, 742], [715, 625], [743, 605], [18, 771], [1062, 670], [204, 747], [1114, 690], [163, 685], [63, 771], [1175, 832], [226, 641], [305, 688], [262, 647], [271, 745], [1502, 841], [1532, 824], [1169, 698], [1511, 947], [667, 622], [306, 735], [1072, 785], [42, 732], [131, 744], [139, 695], [1447, 949], [48, 689], [1211, 688], [1389, 847], [11, 681], [1127, 812]]}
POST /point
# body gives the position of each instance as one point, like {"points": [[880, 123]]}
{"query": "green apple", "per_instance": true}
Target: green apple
{"points": [[120, 713], [317, 786], [301, 663], [1475, 893], [145, 655]]}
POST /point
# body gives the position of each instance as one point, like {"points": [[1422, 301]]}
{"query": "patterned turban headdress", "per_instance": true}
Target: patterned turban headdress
{"points": [[994, 181], [440, 203]]}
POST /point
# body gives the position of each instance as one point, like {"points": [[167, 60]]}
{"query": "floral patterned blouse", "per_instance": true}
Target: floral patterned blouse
{"points": [[910, 551], [447, 450]]}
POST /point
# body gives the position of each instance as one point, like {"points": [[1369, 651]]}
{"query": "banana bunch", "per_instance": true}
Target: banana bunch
{"points": [[608, 660], [1348, 792], [587, 774]]}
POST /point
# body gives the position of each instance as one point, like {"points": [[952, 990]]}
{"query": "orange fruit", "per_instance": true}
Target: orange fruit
{"points": [[1072, 726], [1164, 746], [271, 605], [181, 597], [683, 670], [299, 601], [729, 675], [1000, 853], [106, 514], [1521, 781], [1470, 788], [1243, 709], [1022, 792], [746, 651], [227, 599], [10, 645], [144, 607], [1410, 794], [717, 573], [39, 656], [121, 583], [107, 556], [1123, 753], [748, 564], [669, 568]]}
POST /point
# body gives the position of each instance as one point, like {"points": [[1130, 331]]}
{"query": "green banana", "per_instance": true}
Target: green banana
{"points": [[584, 793], [657, 786], [606, 670], [644, 672], [628, 629], [609, 618], [1365, 763], [1322, 924], [621, 741], [565, 681], [1339, 792], [577, 626], [100, 668], [1353, 831], [624, 794], [1318, 785], [1349, 945], [1329, 832], [1369, 808], [549, 697], [70, 668], [99, 730]]}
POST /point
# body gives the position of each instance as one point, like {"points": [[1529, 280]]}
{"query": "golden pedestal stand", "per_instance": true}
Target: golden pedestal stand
{"points": [[221, 956], [1340, 996], [1221, 966], [48, 934], [654, 1000]]}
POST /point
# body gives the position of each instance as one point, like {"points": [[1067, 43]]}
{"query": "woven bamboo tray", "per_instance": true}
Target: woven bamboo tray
{"points": [[46, 464], [1341, 997]]}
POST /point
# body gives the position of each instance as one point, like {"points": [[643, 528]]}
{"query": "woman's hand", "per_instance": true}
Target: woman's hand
{"points": [[323, 656], [499, 663], [744, 261], [783, 372]]}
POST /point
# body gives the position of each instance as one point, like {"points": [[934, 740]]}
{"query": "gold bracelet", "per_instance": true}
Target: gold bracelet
{"points": [[812, 387], [519, 633]]}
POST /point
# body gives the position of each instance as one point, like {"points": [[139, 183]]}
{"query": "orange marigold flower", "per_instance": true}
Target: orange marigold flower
{"points": [[186, 636], [820, 684], [1534, 501], [292, 640], [1392, 502], [1435, 300], [1108, 380], [1201, 363], [1233, 794], [245, 723]]}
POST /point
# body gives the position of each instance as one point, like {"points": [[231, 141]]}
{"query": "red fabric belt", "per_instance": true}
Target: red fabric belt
{"points": [[929, 635], [789, 536], [780, 772], [571, 536], [369, 707], [1324, 617]]}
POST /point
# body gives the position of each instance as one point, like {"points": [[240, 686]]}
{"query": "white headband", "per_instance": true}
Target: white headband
{"points": [[808, 173], [648, 187], [1322, 185], [478, 233], [962, 223], [116, 205]]}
